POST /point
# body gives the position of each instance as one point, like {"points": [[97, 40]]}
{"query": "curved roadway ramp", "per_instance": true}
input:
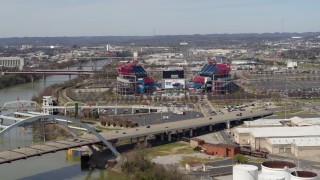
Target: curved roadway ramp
{"points": [[110, 136]]}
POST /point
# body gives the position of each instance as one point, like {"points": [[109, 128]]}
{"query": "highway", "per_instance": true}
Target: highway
{"points": [[143, 131]]}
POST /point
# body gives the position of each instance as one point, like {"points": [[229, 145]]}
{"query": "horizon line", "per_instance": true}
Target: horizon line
{"points": [[248, 33]]}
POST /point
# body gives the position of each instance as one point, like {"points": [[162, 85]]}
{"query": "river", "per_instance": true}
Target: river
{"points": [[51, 166]]}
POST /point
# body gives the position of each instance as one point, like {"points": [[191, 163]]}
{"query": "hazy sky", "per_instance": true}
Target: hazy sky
{"points": [[19, 18]]}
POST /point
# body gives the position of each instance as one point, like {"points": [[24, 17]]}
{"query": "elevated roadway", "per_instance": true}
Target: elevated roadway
{"points": [[165, 129]]}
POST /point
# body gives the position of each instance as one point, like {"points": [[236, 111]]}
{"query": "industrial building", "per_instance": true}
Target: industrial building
{"points": [[13, 62], [272, 170], [214, 78], [243, 64], [223, 150], [133, 79], [194, 142], [300, 147], [294, 121], [263, 123], [299, 141]]}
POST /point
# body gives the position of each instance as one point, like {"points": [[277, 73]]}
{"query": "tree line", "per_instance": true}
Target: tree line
{"points": [[14, 79]]}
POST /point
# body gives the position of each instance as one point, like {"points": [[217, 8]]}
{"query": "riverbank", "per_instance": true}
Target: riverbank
{"points": [[15, 79]]}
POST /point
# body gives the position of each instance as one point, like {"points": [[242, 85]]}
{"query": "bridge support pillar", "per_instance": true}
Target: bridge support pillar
{"points": [[93, 150], [44, 77], [210, 127], [162, 136], [65, 111], [169, 136], [228, 124], [132, 111], [145, 141], [115, 111], [131, 141], [31, 78], [183, 132], [191, 132], [149, 111]]}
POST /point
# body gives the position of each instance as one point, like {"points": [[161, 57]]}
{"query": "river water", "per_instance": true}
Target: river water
{"points": [[51, 166]]}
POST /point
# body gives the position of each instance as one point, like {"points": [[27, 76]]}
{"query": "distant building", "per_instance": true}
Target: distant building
{"points": [[221, 59], [292, 64], [173, 81], [243, 64], [12, 62], [25, 46]]}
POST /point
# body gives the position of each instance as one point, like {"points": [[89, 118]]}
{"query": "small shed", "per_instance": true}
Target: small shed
{"points": [[194, 142]]}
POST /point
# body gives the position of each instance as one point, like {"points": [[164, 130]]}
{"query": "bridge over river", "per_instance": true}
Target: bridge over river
{"points": [[108, 137], [54, 72]]}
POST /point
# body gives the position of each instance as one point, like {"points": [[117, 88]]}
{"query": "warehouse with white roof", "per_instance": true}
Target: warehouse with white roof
{"points": [[292, 145], [263, 123], [280, 139]]}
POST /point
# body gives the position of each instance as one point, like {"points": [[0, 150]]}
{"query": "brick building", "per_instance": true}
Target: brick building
{"points": [[194, 142], [224, 150]]}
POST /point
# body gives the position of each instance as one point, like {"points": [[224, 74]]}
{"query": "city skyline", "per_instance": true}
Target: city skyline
{"points": [[45, 18]]}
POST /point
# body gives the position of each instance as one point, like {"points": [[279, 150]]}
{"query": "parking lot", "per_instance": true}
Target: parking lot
{"points": [[157, 118]]}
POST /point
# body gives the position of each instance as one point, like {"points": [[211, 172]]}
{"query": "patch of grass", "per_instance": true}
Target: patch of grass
{"points": [[293, 111], [187, 160], [257, 160], [106, 128], [282, 103], [169, 149], [308, 100]]}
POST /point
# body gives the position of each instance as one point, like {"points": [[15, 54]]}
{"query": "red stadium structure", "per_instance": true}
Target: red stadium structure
{"points": [[214, 78], [133, 79]]}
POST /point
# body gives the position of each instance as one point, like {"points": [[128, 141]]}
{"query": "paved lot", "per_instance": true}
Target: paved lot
{"points": [[158, 118], [213, 138]]}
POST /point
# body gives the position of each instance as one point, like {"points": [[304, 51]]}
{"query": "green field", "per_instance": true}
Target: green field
{"points": [[169, 149]]}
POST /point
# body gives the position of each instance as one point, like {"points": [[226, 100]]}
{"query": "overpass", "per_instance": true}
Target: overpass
{"points": [[23, 105], [130, 109], [109, 137]]}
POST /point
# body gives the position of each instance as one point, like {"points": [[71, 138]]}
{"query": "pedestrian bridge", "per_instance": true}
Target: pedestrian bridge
{"points": [[108, 138]]}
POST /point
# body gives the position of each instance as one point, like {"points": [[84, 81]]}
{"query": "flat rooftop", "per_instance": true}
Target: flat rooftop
{"points": [[263, 122], [278, 132], [299, 140]]}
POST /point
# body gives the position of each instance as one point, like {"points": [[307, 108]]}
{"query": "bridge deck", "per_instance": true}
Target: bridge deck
{"points": [[143, 131]]}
